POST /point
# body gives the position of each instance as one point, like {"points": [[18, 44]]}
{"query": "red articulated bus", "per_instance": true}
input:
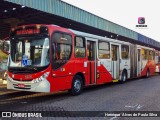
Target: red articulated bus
{"points": [[49, 58]]}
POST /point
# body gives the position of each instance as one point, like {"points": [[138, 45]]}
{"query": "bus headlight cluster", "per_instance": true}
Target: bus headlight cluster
{"points": [[43, 77]]}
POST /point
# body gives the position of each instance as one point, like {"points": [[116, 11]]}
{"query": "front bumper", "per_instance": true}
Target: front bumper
{"points": [[43, 86]]}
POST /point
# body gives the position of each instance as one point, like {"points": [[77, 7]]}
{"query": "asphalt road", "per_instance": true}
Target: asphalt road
{"points": [[135, 95]]}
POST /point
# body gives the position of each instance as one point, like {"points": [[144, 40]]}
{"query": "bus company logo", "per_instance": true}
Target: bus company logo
{"points": [[28, 76], [6, 114], [141, 22]]}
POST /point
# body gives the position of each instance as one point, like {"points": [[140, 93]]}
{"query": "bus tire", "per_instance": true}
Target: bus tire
{"points": [[124, 77], [77, 85], [147, 73]]}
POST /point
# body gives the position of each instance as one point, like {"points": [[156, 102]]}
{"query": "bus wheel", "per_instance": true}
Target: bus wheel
{"points": [[147, 74], [76, 85], [124, 77]]}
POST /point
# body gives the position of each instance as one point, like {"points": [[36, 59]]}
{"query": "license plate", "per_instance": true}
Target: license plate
{"points": [[21, 85]]}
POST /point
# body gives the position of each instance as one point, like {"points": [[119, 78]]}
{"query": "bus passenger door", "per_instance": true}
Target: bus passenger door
{"points": [[139, 62], [115, 61], [92, 55]]}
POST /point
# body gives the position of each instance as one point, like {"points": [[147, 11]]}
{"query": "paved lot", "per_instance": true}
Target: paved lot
{"points": [[135, 95]]}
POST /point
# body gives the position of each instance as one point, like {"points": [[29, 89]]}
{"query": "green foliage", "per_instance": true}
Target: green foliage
{"points": [[3, 56]]}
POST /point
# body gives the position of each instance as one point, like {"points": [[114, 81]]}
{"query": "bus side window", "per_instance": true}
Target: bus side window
{"points": [[61, 49], [103, 50], [125, 51], [114, 53], [146, 54], [151, 55], [79, 47], [158, 57]]}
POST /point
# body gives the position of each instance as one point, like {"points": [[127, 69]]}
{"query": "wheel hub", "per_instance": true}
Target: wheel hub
{"points": [[77, 85], [124, 78]]}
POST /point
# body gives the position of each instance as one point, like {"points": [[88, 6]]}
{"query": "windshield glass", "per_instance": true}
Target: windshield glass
{"points": [[29, 52]]}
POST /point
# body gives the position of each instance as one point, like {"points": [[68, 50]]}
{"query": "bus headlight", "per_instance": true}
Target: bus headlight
{"points": [[156, 66], [44, 76]]}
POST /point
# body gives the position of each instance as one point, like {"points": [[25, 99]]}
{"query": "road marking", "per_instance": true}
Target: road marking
{"points": [[113, 118], [137, 106], [129, 106]]}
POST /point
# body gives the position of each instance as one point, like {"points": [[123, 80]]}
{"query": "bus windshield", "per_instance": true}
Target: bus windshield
{"points": [[29, 52]]}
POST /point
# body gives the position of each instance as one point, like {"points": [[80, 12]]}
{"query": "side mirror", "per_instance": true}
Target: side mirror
{"points": [[6, 46]]}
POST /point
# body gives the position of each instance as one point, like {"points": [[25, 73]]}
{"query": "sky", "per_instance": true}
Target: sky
{"points": [[126, 13]]}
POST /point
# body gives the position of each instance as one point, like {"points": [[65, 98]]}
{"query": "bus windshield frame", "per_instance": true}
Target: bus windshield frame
{"points": [[29, 53]]}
